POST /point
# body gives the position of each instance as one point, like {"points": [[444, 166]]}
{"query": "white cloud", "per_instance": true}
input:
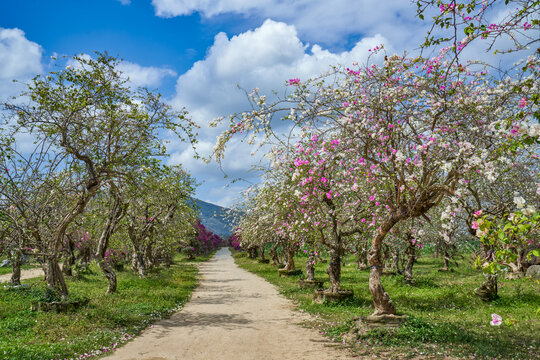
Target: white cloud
{"points": [[20, 59], [170, 8], [149, 76], [125, 2], [264, 58], [323, 21]]}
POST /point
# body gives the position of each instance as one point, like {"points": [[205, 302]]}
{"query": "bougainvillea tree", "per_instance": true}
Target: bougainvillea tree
{"points": [[157, 201], [417, 129], [100, 126]]}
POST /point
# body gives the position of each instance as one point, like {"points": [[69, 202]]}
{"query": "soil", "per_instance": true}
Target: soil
{"points": [[25, 274], [232, 315]]}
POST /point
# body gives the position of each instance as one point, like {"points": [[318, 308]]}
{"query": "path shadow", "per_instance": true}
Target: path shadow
{"points": [[201, 321]]}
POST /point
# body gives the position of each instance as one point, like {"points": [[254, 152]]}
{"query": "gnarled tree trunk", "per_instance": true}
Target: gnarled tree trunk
{"points": [[411, 258], [274, 255], [334, 271], [116, 213], [310, 267], [362, 253], [54, 277], [289, 265], [381, 300], [16, 262], [69, 260], [488, 290]]}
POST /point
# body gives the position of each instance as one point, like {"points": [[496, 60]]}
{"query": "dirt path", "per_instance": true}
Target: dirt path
{"points": [[25, 274], [232, 315]]}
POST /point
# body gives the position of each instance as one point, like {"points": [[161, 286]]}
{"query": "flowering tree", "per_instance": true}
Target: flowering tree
{"points": [[502, 236], [417, 129], [157, 201], [99, 126]]}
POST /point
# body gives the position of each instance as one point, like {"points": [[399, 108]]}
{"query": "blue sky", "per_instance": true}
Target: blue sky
{"points": [[195, 52]]}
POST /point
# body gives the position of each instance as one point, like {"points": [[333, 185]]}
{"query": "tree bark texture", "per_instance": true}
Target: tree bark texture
{"points": [[290, 258], [310, 267], [334, 271], [381, 300]]}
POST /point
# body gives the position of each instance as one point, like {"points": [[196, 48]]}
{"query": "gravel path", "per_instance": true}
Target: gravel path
{"points": [[232, 315], [25, 274]]}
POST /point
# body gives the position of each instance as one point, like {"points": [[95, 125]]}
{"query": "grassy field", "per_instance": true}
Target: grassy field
{"points": [[445, 318], [99, 327]]}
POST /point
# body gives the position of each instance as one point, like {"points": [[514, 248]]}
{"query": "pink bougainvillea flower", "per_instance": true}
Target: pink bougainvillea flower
{"points": [[496, 320], [294, 81]]}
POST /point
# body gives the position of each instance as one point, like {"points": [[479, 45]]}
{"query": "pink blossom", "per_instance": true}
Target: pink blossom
{"points": [[295, 81], [477, 213], [496, 320], [522, 102], [474, 225]]}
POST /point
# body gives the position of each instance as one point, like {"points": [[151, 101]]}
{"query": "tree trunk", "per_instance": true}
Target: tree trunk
{"points": [[411, 258], [334, 271], [488, 290], [381, 300], [116, 213], [290, 258], [396, 261], [362, 258], [262, 252], [138, 263], [55, 278], [70, 258], [388, 265], [16, 263], [446, 259], [310, 267], [274, 255]]}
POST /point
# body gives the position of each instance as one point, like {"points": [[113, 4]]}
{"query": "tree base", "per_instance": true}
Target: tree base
{"points": [[58, 306], [283, 272], [320, 296], [264, 261], [484, 294], [514, 275], [310, 284], [362, 325], [445, 270]]}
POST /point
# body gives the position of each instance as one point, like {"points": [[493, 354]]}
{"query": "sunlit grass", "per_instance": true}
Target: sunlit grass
{"points": [[105, 323], [445, 317]]}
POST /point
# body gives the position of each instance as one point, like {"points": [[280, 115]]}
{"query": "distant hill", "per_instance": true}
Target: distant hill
{"points": [[214, 217]]}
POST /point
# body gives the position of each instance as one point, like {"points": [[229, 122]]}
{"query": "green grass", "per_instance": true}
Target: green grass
{"points": [[105, 323], [445, 317], [8, 270]]}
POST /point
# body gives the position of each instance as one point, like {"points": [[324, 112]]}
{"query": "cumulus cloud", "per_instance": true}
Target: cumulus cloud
{"points": [[149, 76], [323, 21], [124, 2], [138, 75], [262, 58], [20, 59]]}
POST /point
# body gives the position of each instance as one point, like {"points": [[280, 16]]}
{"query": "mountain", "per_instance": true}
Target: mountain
{"points": [[214, 218]]}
